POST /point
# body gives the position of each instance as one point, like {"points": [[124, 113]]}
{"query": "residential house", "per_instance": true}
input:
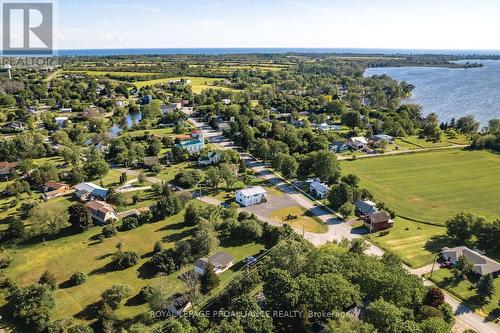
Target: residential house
{"points": [[7, 168], [324, 127], [90, 191], [60, 121], [378, 221], [101, 211], [53, 190], [196, 144], [169, 108], [357, 142], [221, 262], [146, 99], [339, 147], [383, 137], [482, 264], [149, 161], [15, 125], [226, 101], [187, 110], [65, 110], [212, 157], [251, 196], [365, 207], [178, 303], [318, 188]]}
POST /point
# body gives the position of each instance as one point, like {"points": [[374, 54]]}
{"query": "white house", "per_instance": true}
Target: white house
{"points": [[101, 211], [166, 109], [319, 189], [60, 121], [323, 127], [251, 196], [366, 207], [88, 191], [226, 101], [212, 157], [482, 264], [195, 145], [357, 142], [65, 110], [221, 262]]}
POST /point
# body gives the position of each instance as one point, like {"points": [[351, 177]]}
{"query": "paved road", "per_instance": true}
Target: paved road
{"points": [[465, 318]]}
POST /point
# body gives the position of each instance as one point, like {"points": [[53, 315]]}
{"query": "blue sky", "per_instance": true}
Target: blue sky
{"points": [[416, 24]]}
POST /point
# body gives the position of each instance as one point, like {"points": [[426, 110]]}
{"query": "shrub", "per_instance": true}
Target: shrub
{"points": [[78, 278], [115, 295], [125, 260], [188, 178], [80, 329], [109, 230], [158, 247], [4, 261], [49, 280], [146, 293], [129, 223]]}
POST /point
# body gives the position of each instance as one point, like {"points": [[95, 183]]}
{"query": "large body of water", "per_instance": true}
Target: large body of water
{"points": [[280, 50], [452, 93]]}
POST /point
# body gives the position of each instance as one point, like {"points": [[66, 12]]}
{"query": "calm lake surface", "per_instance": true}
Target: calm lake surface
{"points": [[452, 93]]}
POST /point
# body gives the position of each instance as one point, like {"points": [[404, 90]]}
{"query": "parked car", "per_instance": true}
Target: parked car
{"points": [[250, 261], [445, 264]]}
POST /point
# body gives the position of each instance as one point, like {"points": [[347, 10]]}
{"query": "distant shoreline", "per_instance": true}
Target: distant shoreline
{"points": [[228, 51]]}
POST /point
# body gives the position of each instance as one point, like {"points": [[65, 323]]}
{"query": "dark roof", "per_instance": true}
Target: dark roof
{"points": [[54, 185], [379, 217], [151, 160], [220, 259]]}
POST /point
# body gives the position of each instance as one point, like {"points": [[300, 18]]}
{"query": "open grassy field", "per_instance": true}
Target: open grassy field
{"points": [[83, 252], [304, 219], [414, 142], [167, 131], [415, 243], [110, 73], [465, 291], [198, 84], [433, 186]]}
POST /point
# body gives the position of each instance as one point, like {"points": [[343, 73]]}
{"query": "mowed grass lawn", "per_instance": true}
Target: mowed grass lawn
{"points": [[465, 291], [433, 186], [415, 243], [83, 252], [303, 219]]}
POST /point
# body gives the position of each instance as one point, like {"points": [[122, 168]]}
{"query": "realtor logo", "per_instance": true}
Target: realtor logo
{"points": [[27, 29]]}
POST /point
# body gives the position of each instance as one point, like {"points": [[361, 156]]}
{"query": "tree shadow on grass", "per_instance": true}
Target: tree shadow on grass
{"points": [[175, 226], [64, 232], [66, 284], [109, 267], [493, 315], [146, 271], [436, 243], [135, 301], [177, 237], [90, 312]]}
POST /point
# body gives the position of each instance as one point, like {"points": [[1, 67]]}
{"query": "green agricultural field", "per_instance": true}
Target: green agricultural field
{"points": [[111, 74], [433, 186], [198, 84], [84, 252], [415, 243]]}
